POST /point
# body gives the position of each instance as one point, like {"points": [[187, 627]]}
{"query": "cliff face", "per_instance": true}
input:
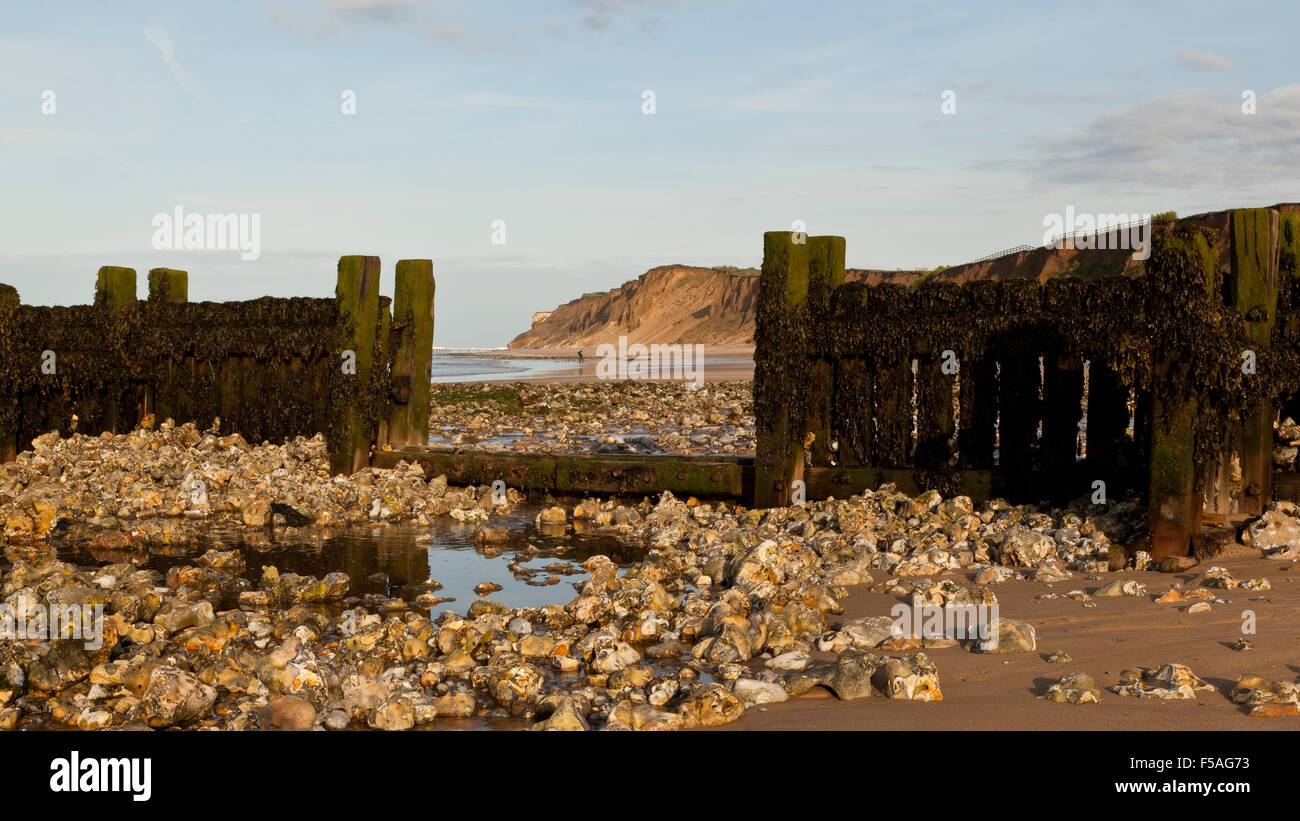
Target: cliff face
{"points": [[668, 305]]}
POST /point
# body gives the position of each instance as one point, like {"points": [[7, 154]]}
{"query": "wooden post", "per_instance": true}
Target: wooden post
{"points": [[357, 299], [1018, 414], [893, 392], [778, 363], [979, 412], [1173, 493], [1175, 509], [166, 285], [1254, 294], [934, 419], [114, 291], [10, 398], [408, 418], [169, 285], [825, 274], [1063, 393], [852, 413]]}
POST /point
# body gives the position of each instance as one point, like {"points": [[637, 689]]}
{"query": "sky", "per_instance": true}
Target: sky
{"points": [[512, 143]]}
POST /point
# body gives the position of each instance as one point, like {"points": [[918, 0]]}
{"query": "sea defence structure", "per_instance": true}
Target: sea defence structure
{"points": [[355, 367], [978, 387]]}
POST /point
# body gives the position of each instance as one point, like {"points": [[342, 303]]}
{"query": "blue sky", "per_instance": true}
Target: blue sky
{"points": [[531, 113]]}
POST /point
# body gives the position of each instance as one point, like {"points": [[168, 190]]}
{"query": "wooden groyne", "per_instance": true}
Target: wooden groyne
{"points": [[354, 367], [978, 387]]}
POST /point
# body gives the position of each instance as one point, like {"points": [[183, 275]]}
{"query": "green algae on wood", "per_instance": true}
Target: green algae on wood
{"points": [[357, 298], [413, 313]]}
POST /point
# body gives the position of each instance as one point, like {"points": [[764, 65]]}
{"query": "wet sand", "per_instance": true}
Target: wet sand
{"points": [[997, 692]]}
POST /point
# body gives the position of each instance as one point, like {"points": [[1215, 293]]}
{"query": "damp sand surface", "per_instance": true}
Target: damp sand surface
{"points": [[998, 692]]}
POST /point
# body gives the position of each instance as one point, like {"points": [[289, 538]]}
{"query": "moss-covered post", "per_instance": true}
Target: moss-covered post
{"points": [[825, 274], [780, 365], [1063, 396], [10, 399], [381, 384], [1018, 415], [408, 418], [1254, 294], [1182, 269], [852, 413], [114, 292], [893, 391], [934, 417], [170, 286], [357, 300], [978, 388], [1107, 443]]}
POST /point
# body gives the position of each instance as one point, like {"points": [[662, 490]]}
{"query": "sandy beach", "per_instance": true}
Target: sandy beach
{"points": [[998, 692]]}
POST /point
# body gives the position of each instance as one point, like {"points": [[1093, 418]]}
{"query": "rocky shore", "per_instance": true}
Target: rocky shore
{"points": [[609, 417], [730, 609]]}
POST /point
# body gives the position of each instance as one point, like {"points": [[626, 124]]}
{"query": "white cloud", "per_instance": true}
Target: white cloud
{"points": [[1188, 139], [163, 42], [1204, 59]]}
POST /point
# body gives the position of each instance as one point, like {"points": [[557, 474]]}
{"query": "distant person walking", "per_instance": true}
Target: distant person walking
{"points": [[579, 358]]}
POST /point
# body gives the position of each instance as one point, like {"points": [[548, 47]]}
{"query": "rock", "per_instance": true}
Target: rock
{"points": [[1120, 587], [710, 705], [753, 691], [1059, 657], [850, 677], [337, 720], [912, 677], [552, 516], [395, 714], [1074, 688], [793, 660], [256, 513], [1007, 636], [174, 696], [292, 713], [1168, 681], [560, 715], [176, 616]]}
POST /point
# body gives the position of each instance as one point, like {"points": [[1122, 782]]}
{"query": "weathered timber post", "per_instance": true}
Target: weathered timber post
{"points": [[1254, 294], [381, 382], [166, 285], [934, 418], [825, 274], [852, 413], [169, 285], [1018, 415], [1174, 486], [114, 291], [780, 363], [9, 394], [1108, 447], [1063, 394], [978, 381], [357, 301], [893, 393], [413, 293]]}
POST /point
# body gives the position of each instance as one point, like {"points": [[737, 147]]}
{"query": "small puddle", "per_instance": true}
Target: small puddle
{"points": [[399, 559]]}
